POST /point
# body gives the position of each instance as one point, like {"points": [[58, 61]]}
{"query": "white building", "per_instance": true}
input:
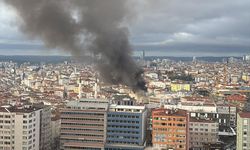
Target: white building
{"points": [[20, 128]]}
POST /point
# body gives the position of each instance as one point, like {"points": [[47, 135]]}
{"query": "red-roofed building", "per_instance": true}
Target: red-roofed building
{"points": [[236, 98], [243, 130]]}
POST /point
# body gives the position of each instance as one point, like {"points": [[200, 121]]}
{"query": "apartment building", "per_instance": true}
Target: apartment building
{"points": [[126, 127], [170, 129], [21, 127], [176, 87], [45, 127], [243, 131], [202, 132], [83, 124]]}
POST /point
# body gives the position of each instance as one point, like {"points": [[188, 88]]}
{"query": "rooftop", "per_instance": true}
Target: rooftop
{"points": [[23, 109], [169, 112], [244, 114], [201, 120]]}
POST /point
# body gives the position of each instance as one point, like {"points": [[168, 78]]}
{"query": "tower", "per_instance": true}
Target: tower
{"points": [[80, 89]]}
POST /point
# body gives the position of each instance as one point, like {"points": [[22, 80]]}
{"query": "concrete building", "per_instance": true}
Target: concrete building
{"points": [[83, 124], [126, 127], [224, 114], [243, 130], [202, 132], [21, 127], [45, 127], [55, 132], [175, 87], [170, 129]]}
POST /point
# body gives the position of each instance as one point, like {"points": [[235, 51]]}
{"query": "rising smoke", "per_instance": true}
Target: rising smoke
{"points": [[85, 27]]}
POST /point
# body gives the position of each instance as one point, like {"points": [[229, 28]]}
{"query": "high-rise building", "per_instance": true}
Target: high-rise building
{"points": [[83, 124], [45, 126], [243, 131], [246, 57], [97, 124], [170, 129], [55, 134], [21, 127], [202, 132], [126, 127]]}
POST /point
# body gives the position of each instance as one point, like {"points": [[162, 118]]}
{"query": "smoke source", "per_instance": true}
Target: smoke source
{"points": [[85, 27]]}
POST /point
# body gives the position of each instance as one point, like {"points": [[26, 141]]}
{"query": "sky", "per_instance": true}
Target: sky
{"points": [[161, 28]]}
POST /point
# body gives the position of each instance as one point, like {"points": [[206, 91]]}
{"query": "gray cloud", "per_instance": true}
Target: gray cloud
{"points": [[186, 27], [205, 26]]}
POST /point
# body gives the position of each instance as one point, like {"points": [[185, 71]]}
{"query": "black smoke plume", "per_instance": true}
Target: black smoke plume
{"points": [[85, 27]]}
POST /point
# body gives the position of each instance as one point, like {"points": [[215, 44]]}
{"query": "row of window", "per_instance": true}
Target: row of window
{"points": [[170, 124], [129, 132], [79, 129], [170, 119], [88, 119], [123, 142], [169, 129], [82, 124], [202, 129], [74, 134], [123, 121], [83, 113], [160, 139], [123, 116], [123, 137], [120, 126], [6, 121]]}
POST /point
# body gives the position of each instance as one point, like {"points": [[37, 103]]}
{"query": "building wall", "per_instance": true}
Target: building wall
{"points": [[170, 131], [55, 133], [180, 87], [45, 128], [125, 128], [243, 133], [82, 127], [203, 132]]}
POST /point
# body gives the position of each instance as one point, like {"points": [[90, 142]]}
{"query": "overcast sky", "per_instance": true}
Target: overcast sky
{"points": [[162, 27]]}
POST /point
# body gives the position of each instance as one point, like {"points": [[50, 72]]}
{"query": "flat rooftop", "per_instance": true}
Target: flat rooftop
{"points": [[23, 109], [169, 112]]}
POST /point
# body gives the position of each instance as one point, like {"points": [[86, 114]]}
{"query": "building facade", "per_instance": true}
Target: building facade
{"points": [[202, 132], [83, 125], [126, 127], [170, 129], [176, 87], [20, 127], [243, 131]]}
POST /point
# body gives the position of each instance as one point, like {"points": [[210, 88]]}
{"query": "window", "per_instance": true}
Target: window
{"points": [[245, 122]]}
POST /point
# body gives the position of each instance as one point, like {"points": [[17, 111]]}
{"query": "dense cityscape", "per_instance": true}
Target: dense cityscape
{"points": [[188, 105], [124, 75]]}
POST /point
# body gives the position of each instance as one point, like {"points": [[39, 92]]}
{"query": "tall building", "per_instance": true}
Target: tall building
{"points": [[170, 129], [243, 130], [83, 124], [246, 57], [126, 127], [55, 134], [202, 132], [45, 126], [21, 127]]}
